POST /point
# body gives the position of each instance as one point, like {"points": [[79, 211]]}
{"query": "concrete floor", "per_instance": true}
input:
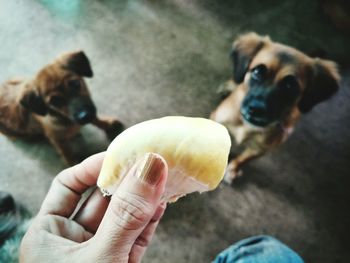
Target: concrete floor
{"points": [[158, 58]]}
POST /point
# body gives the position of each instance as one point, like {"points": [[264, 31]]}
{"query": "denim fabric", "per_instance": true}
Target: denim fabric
{"points": [[258, 249]]}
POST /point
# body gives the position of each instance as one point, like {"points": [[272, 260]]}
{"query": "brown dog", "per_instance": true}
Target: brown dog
{"points": [[55, 103], [272, 86]]}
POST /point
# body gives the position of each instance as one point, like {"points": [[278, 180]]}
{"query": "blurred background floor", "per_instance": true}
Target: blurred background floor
{"points": [[158, 58]]}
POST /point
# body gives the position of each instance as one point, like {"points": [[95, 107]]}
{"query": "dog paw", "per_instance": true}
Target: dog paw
{"points": [[225, 89], [231, 174], [72, 160], [115, 127]]}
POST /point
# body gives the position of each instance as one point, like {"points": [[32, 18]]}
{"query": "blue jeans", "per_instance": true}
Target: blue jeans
{"points": [[258, 249]]}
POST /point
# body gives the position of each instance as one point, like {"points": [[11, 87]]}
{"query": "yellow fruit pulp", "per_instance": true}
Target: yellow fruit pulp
{"points": [[195, 149]]}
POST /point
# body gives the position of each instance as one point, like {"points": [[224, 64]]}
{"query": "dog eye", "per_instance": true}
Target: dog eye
{"points": [[259, 72], [57, 101], [289, 83], [74, 85]]}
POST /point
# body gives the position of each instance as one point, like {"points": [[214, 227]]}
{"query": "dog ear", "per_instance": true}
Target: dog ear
{"points": [[243, 51], [77, 62], [323, 83], [32, 101]]}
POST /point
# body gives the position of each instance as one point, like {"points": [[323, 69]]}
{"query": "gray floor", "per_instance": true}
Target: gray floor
{"points": [[157, 58]]}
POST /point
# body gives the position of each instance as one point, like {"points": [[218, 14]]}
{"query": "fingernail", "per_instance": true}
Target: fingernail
{"points": [[150, 168], [159, 212]]}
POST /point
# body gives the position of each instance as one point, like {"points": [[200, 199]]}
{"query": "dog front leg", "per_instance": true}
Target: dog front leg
{"points": [[112, 127], [62, 147], [233, 169], [226, 88]]}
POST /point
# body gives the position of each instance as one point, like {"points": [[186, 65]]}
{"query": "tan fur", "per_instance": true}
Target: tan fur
{"points": [[17, 121], [255, 141]]}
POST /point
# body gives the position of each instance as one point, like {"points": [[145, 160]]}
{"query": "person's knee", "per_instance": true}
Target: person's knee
{"points": [[258, 249]]}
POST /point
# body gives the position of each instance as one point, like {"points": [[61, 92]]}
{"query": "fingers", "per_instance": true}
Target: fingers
{"points": [[132, 206], [143, 241], [62, 227], [68, 186], [91, 213]]}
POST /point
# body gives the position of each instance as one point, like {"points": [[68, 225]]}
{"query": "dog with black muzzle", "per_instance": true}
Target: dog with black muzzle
{"points": [[55, 103], [272, 85]]}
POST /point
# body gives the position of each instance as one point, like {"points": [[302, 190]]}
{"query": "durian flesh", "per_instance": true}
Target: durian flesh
{"points": [[195, 149]]}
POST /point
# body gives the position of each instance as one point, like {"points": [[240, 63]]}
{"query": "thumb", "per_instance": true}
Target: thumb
{"points": [[132, 207]]}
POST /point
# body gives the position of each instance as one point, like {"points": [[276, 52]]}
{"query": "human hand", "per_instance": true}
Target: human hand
{"points": [[118, 230]]}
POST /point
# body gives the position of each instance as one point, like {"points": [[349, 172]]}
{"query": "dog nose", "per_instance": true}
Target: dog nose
{"points": [[7, 203], [257, 108], [85, 115]]}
